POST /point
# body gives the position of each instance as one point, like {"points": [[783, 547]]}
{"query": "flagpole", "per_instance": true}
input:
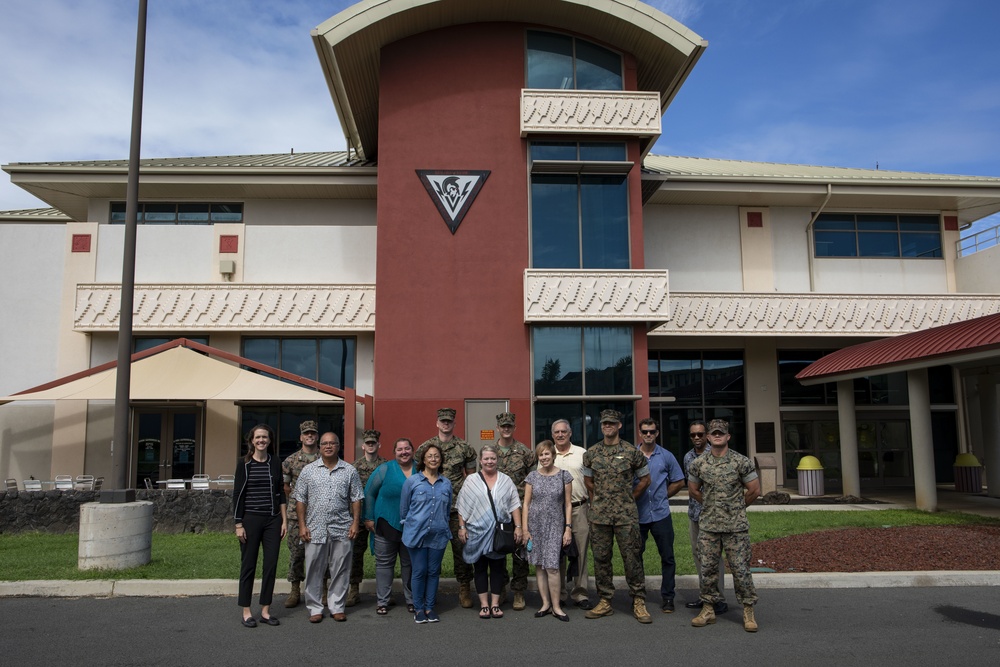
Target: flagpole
{"points": [[121, 442]]}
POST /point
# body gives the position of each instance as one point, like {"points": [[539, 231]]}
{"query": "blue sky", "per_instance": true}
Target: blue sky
{"points": [[906, 84]]}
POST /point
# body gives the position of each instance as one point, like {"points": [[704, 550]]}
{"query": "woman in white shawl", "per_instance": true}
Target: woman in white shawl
{"points": [[476, 525]]}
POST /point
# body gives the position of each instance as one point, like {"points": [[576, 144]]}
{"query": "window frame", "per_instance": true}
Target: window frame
{"points": [[869, 231]]}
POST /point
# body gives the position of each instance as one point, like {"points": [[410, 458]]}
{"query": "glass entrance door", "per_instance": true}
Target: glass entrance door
{"points": [[167, 444]]}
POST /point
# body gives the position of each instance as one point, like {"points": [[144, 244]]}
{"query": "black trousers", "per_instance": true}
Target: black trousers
{"points": [[265, 530], [497, 569]]}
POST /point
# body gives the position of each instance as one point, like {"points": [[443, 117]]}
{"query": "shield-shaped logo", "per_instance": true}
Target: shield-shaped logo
{"points": [[452, 192]]}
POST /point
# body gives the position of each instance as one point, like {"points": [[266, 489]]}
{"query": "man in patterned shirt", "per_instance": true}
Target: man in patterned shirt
{"points": [[328, 499], [725, 483], [698, 433], [458, 461], [291, 468], [515, 460], [609, 469], [365, 466]]}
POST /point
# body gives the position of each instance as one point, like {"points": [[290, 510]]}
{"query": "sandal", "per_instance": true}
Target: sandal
{"points": [[496, 612], [484, 613], [381, 611]]}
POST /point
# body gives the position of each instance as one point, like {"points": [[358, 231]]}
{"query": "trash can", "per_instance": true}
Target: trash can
{"points": [[968, 474], [810, 476]]}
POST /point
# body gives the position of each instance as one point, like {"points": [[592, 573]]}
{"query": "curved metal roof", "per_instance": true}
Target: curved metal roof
{"points": [[349, 44], [965, 342]]}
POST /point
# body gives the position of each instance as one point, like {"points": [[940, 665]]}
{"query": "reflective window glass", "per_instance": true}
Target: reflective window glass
{"points": [[558, 353], [550, 60], [597, 68], [555, 222], [607, 353]]}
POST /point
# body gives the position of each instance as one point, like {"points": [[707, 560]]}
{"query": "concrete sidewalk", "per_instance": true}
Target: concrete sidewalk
{"points": [[948, 500]]}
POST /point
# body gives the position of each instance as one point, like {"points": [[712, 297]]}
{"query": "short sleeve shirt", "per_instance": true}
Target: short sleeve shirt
{"points": [[613, 468], [722, 479], [365, 467], [664, 470], [694, 507], [328, 495], [291, 468], [458, 456]]}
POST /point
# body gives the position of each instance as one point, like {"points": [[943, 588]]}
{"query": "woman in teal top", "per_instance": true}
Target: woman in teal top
{"points": [[385, 526]]}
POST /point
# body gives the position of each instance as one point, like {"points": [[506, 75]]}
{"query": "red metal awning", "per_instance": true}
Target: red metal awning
{"points": [[961, 342]]}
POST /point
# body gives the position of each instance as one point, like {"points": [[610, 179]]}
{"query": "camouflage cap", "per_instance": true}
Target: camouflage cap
{"points": [[611, 416], [505, 419], [446, 414], [307, 426], [371, 435], [718, 425]]}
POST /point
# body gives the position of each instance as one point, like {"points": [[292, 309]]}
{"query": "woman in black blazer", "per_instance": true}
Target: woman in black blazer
{"points": [[259, 510]]}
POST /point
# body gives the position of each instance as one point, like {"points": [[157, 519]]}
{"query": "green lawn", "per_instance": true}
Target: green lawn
{"points": [[216, 555]]}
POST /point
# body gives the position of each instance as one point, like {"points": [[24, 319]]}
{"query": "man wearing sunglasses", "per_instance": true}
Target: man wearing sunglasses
{"points": [[698, 433], [725, 483], [665, 479]]}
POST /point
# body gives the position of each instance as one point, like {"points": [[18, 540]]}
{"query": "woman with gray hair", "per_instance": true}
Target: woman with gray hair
{"points": [[477, 523]]}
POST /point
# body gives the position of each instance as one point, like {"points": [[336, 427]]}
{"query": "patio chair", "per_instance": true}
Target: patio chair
{"points": [[149, 484], [84, 483], [226, 481], [11, 484], [32, 485], [64, 482], [175, 483], [200, 481]]}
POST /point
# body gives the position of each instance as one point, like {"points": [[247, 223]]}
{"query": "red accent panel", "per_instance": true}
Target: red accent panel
{"points": [[229, 243], [951, 223], [755, 219], [81, 242]]}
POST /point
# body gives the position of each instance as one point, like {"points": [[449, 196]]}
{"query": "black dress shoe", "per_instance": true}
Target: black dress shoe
{"points": [[721, 607], [249, 622], [270, 621], [543, 612], [584, 604], [562, 617], [697, 604]]}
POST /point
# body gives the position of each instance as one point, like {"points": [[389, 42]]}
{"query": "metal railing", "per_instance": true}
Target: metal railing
{"points": [[978, 241]]}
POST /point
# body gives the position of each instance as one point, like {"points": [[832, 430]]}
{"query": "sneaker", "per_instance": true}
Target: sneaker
{"points": [[668, 606], [420, 616], [432, 616]]}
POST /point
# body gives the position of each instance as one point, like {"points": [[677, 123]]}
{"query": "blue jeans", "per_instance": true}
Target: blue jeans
{"points": [[426, 564], [663, 536]]}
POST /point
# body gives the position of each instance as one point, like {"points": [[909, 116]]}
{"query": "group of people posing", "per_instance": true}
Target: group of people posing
{"points": [[558, 500]]}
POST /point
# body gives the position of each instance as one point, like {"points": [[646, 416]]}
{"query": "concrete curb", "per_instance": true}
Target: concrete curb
{"points": [[105, 588]]}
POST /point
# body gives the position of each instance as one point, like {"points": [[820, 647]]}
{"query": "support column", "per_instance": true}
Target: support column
{"points": [[990, 421], [924, 479], [850, 471]]}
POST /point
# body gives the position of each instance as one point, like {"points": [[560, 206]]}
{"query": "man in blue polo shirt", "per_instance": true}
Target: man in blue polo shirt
{"points": [[666, 477]]}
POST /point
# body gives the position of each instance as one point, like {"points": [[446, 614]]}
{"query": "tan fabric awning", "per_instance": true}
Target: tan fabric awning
{"points": [[180, 374]]}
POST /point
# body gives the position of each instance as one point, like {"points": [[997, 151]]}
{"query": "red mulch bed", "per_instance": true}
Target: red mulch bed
{"points": [[895, 549]]}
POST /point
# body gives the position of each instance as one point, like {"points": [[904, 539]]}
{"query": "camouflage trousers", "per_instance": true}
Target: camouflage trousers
{"points": [[737, 548], [463, 571], [296, 553], [519, 580], [358, 555], [602, 537]]}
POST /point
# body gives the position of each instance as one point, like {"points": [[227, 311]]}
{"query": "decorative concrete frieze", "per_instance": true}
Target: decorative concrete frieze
{"points": [[595, 296], [630, 113]]}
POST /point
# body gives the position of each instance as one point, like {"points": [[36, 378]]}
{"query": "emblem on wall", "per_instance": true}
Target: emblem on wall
{"points": [[453, 192]]}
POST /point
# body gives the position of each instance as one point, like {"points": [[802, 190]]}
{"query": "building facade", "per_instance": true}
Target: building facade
{"points": [[527, 252]]}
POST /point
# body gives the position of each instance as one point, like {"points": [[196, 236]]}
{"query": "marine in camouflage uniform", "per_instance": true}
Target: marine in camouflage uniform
{"points": [[515, 460], [365, 467], [725, 482], [609, 469], [458, 459], [291, 467]]}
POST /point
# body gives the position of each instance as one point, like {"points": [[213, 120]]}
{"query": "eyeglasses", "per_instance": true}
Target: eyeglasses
{"points": [[327, 443], [648, 432], [698, 434]]}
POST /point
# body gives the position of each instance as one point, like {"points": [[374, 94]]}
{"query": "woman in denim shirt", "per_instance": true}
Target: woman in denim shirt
{"points": [[425, 506]]}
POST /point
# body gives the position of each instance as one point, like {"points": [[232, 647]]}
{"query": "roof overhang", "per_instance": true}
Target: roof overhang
{"points": [[968, 344], [349, 45], [175, 371]]}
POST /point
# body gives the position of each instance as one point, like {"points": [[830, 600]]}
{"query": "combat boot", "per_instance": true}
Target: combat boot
{"points": [[503, 595], [639, 611], [293, 596], [464, 595], [353, 596], [518, 600], [749, 622], [706, 617], [603, 608]]}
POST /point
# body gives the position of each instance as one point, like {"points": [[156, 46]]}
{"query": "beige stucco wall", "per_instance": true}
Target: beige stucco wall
{"points": [[679, 239], [979, 272]]}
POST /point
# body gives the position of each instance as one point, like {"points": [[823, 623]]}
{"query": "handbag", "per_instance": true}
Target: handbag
{"points": [[503, 533]]}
